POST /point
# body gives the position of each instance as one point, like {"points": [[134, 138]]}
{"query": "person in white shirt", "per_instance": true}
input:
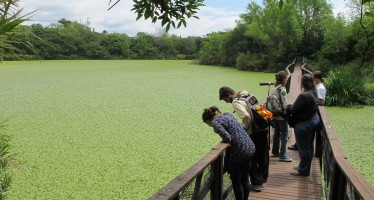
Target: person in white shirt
{"points": [[321, 92]]}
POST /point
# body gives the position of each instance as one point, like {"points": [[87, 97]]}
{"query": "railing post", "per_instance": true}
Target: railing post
{"points": [[216, 189]]}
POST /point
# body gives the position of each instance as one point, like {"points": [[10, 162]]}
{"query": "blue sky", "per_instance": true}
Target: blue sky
{"points": [[218, 15]]}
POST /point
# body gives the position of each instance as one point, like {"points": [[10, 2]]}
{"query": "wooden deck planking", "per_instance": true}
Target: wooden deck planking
{"points": [[281, 184]]}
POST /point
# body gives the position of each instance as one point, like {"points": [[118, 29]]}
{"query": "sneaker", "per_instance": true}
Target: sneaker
{"points": [[292, 147], [257, 188], [296, 168], [285, 159], [275, 155], [297, 173]]}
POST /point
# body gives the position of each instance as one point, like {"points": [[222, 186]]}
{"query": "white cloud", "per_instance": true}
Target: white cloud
{"points": [[122, 20]]}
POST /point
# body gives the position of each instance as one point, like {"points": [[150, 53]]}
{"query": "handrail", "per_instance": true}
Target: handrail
{"points": [[342, 180], [213, 159]]}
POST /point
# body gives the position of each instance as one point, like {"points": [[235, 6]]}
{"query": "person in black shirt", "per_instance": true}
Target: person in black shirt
{"points": [[305, 110]]}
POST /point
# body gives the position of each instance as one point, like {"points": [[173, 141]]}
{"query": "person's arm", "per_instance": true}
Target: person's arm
{"points": [[297, 106], [321, 102], [283, 96], [242, 113], [221, 131], [321, 92]]}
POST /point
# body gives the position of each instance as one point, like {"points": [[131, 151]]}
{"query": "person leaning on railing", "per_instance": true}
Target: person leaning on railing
{"points": [[260, 163], [241, 148]]}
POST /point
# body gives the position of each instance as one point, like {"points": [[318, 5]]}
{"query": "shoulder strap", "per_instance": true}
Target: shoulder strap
{"points": [[280, 98], [250, 106]]}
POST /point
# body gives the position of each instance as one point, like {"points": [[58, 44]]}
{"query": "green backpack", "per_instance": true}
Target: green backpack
{"points": [[274, 104]]}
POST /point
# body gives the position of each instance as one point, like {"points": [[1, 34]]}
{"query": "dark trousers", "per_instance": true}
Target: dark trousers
{"points": [[259, 171], [318, 149], [239, 172]]}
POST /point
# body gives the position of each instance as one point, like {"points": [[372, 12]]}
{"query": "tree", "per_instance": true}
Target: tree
{"points": [[10, 20]]}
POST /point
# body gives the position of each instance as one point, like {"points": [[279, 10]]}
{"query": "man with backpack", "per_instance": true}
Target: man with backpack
{"points": [[260, 162]]}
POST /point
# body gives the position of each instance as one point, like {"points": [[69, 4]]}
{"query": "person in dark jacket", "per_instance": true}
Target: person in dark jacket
{"points": [[305, 110], [241, 148]]}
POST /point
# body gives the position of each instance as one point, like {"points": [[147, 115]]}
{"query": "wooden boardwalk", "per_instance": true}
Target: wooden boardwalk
{"points": [[281, 184]]}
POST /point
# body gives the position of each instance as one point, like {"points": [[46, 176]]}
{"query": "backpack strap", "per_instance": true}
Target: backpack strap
{"points": [[249, 105], [280, 100]]}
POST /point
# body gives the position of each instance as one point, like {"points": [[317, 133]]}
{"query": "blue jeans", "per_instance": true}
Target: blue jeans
{"points": [[304, 133], [280, 135]]}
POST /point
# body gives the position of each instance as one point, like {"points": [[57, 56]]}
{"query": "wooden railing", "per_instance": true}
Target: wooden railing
{"points": [[341, 179], [206, 177]]}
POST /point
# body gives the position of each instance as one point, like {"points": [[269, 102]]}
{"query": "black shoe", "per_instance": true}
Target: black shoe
{"points": [[317, 154], [292, 147]]}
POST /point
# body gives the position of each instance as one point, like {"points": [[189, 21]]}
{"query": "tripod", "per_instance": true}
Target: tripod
{"points": [[269, 84]]}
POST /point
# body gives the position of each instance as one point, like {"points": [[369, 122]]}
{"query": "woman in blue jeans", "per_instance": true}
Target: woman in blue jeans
{"points": [[305, 110]]}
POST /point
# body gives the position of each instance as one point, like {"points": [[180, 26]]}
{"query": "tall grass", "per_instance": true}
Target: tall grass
{"points": [[345, 89]]}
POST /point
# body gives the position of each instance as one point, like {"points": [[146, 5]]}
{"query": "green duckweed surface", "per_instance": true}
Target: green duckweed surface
{"points": [[109, 129]]}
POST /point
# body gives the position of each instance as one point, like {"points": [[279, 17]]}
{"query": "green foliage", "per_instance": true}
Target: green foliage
{"points": [[168, 12], [211, 51], [5, 158], [345, 89], [73, 40], [249, 62], [10, 20]]}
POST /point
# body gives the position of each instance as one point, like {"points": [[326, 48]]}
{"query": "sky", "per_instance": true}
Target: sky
{"points": [[217, 15]]}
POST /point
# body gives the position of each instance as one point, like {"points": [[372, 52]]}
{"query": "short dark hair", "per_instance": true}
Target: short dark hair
{"points": [[225, 92], [318, 74]]}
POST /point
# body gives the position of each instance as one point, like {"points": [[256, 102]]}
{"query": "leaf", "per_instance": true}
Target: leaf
{"points": [[164, 21], [168, 27], [366, 1], [139, 16], [280, 4], [154, 19], [369, 14]]}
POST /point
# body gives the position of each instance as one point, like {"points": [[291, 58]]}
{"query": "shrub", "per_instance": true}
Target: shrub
{"points": [[248, 62], [5, 158], [344, 89]]}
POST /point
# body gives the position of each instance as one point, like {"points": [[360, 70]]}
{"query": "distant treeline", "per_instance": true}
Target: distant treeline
{"points": [[73, 40], [266, 38]]}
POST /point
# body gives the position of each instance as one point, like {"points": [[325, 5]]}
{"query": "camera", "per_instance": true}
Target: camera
{"points": [[268, 83]]}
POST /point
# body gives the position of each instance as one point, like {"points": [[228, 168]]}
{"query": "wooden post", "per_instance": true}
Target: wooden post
{"points": [[217, 170]]}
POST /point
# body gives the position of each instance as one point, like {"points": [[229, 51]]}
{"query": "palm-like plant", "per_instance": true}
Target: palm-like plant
{"points": [[10, 19]]}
